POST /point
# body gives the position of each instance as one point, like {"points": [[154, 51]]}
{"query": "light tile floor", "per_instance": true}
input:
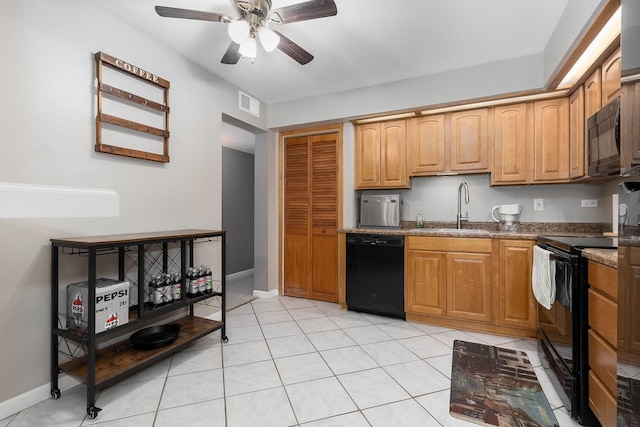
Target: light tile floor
{"points": [[291, 362]]}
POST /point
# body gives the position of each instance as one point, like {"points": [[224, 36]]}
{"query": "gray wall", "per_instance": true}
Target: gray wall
{"points": [[237, 208]]}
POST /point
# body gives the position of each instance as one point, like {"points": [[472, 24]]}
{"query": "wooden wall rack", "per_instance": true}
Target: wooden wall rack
{"points": [[102, 59]]}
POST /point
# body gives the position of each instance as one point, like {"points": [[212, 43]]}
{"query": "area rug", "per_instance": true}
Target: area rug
{"points": [[494, 386]]}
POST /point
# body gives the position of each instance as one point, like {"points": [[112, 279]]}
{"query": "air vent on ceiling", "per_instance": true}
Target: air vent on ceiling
{"points": [[249, 104]]}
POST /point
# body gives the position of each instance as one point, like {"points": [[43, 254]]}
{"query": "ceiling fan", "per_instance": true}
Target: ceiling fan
{"points": [[254, 16]]}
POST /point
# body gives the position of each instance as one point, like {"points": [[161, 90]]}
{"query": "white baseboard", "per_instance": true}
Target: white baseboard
{"points": [[33, 396], [265, 294], [240, 274]]}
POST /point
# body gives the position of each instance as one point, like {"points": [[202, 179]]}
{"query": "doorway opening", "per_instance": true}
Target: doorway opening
{"points": [[238, 207]]}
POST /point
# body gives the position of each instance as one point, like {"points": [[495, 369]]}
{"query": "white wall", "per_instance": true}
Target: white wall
{"points": [[266, 215], [496, 78], [574, 22], [501, 77], [48, 108]]}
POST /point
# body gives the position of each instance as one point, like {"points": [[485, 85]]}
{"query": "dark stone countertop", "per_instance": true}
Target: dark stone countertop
{"points": [[487, 230], [608, 257]]}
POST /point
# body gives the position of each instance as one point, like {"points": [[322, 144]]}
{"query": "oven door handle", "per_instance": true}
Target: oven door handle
{"points": [[556, 255], [558, 258]]}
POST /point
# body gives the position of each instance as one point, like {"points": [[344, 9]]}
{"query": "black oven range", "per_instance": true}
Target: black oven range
{"points": [[563, 329]]}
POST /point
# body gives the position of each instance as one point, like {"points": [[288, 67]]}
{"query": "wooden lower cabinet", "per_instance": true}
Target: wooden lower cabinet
{"points": [[517, 303], [448, 277], [469, 286], [603, 324], [470, 283], [426, 276]]}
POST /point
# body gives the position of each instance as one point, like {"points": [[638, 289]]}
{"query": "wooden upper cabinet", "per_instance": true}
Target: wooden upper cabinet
{"points": [[469, 140], [551, 140], [593, 93], [577, 142], [510, 144], [380, 155], [630, 125], [611, 69], [368, 155], [426, 145], [393, 158]]}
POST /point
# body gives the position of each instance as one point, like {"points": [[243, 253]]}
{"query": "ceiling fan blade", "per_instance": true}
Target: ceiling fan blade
{"points": [[304, 11], [232, 55], [293, 50], [172, 12]]}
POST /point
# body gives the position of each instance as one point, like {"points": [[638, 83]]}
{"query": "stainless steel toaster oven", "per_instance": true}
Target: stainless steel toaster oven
{"points": [[380, 211]]}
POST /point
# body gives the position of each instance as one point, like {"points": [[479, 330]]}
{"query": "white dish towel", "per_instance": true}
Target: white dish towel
{"points": [[543, 277]]}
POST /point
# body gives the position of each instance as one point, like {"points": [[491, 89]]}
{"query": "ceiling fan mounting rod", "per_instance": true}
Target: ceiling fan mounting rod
{"points": [[259, 8]]}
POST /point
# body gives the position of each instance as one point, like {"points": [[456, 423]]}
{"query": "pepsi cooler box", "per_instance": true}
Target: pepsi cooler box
{"points": [[112, 304]]}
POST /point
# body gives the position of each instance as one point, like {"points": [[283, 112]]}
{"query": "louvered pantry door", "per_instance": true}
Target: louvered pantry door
{"points": [[310, 217]]}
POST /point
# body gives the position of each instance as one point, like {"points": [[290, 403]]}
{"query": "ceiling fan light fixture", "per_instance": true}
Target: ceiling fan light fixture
{"points": [[239, 31], [248, 47], [269, 39]]}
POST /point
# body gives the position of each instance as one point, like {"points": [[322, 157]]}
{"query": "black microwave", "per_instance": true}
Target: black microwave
{"points": [[604, 140]]}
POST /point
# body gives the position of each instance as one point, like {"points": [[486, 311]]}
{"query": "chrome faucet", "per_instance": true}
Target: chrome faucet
{"points": [[459, 217]]}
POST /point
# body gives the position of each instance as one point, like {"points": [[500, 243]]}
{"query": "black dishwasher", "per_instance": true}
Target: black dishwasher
{"points": [[375, 274]]}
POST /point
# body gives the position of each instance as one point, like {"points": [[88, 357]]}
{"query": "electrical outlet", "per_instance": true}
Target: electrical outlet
{"points": [[538, 204], [589, 203]]}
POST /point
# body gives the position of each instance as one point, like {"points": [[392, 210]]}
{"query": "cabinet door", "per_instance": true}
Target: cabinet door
{"points": [[469, 286], [324, 217], [630, 126], [426, 145], [517, 303], [297, 202], [551, 140], [593, 94], [469, 140], [367, 156], [426, 282], [628, 297], [510, 144], [611, 69], [576, 134], [393, 160]]}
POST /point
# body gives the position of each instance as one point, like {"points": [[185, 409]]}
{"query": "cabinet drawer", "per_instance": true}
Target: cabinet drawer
{"points": [[602, 403], [603, 316], [604, 278], [449, 244], [603, 360]]}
